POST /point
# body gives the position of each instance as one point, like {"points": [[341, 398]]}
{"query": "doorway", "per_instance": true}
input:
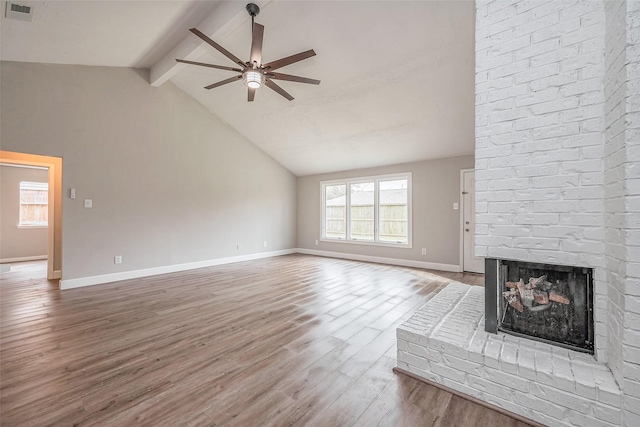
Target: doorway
{"points": [[54, 234], [470, 262]]}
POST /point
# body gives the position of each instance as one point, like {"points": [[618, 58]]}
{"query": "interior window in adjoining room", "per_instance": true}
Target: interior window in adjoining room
{"points": [[34, 204]]}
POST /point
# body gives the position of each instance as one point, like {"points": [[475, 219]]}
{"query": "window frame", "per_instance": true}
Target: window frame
{"points": [[376, 179], [39, 186]]}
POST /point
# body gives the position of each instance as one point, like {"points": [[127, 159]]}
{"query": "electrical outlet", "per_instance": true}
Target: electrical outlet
{"points": [[265, 243], [455, 206], [424, 251], [316, 243], [88, 203], [117, 259]]}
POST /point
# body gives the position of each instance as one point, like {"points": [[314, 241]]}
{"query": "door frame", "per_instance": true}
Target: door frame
{"points": [[462, 172], [54, 168]]}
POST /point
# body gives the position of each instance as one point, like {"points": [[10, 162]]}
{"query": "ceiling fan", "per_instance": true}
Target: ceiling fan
{"points": [[254, 73]]}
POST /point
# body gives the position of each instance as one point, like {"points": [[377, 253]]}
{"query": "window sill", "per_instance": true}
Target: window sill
{"points": [[28, 227], [366, 243]]}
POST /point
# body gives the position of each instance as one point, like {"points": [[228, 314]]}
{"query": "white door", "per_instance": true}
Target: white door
{"points": [[470, 261]]}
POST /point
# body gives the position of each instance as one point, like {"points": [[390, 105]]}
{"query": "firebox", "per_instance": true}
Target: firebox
{"points": [[544, 302]]}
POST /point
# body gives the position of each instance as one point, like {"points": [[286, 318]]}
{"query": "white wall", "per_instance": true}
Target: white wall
{"points": [[25, 242], [436, 226], [170, 182]]}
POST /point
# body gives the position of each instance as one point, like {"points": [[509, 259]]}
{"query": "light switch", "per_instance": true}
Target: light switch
{"points": [[88, 203], [455, 206], [72, 193]]}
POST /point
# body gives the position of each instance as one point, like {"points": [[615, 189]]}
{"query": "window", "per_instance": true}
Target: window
{"points": [[34, 204], [335, 211], [374, 210], [361, 210]]}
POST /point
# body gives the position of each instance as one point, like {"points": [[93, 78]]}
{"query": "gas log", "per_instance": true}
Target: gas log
{"points": [[541, 297], [554, 296], [513, 299], [536, 295]]}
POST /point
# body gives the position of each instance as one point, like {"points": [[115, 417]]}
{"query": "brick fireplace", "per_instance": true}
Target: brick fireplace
{"points": [[557, 183]]}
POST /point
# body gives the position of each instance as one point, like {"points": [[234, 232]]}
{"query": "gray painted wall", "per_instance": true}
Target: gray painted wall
{"points": [[436, 226], [170, 182], [19, 242]]}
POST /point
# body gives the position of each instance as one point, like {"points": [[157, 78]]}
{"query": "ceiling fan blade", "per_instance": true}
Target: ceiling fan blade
{"points": [[274, 65], [202, 64], [290, 78], [224, 82], [251, 94], [273, 86], [222, 50], [256, 44]]}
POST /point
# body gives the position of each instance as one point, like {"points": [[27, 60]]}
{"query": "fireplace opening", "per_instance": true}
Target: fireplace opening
{"points": [[549, 303]]}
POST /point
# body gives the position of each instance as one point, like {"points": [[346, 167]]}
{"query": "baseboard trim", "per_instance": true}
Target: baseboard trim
{"points": [[135, 274], [382, 260], [24, 258], [470, 398]]}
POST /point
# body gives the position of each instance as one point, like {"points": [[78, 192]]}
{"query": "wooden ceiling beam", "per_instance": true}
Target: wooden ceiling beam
{"points": [[224, 19]]}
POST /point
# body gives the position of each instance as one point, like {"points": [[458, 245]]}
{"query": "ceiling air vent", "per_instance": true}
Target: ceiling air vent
{"points": [[21, 12]]}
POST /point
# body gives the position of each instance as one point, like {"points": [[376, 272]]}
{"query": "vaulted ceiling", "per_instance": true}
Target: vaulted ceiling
{"points": [[397, 76]]}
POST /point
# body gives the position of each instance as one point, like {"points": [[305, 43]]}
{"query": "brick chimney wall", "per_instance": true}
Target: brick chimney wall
{"points": [[558, 154]]}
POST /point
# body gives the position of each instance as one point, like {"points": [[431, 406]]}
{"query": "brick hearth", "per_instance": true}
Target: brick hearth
{"points": [[445, 342]]}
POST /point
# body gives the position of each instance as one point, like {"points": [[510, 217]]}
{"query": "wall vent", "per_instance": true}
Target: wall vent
{"points": [[21, 12]]}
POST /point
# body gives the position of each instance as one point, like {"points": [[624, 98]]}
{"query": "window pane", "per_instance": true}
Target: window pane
{"points": [[393, 211], [336, 211], [34, 201], [362, 210]]}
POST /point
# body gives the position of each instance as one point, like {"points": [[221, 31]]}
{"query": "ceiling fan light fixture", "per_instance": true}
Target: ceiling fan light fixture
{"points": [[253, 79]]}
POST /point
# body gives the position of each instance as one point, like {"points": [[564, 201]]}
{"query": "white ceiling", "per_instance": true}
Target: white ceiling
{"points": [[113, 33], [397, 76]]}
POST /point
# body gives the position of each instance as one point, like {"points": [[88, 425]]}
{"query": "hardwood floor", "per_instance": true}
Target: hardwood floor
{"points": [[286, 341]]}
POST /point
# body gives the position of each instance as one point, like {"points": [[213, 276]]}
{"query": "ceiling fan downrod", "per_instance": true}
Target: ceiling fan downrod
{"points": [[253, 10]]}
